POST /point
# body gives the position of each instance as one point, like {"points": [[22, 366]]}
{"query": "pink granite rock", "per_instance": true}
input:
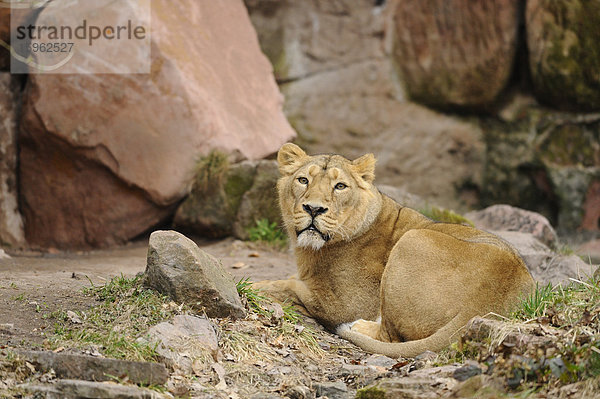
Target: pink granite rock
{"points": [[458, 53], [108, 155]]}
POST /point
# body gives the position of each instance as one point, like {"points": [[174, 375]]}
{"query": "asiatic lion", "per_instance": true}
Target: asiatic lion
{"points": [[379, 274]]}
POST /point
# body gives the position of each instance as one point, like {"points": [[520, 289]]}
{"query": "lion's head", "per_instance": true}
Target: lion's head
{"points": [[326, 198]]}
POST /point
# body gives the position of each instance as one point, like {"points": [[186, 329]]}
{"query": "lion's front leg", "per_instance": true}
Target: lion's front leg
{"points": [[291, 291]]}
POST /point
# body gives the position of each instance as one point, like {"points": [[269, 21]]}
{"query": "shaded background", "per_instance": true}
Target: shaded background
{"points": [[465, 103]]}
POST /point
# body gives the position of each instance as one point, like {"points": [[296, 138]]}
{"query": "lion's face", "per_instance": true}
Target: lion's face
{"points": [[326, 198]]}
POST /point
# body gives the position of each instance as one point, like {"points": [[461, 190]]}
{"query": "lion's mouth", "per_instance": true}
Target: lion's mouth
{"points": [[314, 229]]}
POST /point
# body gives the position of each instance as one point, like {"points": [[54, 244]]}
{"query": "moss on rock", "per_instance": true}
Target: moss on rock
{"points": [[564, 43], [212, 205]]}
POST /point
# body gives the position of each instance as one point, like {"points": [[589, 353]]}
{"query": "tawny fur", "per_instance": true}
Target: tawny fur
{"points": [[406, 283]]}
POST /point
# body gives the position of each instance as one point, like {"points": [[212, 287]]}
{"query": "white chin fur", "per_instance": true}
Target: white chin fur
{"points": [[310, 239]]}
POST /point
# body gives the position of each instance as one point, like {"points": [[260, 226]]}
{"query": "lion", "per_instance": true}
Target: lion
{"points": [[377, 273]]}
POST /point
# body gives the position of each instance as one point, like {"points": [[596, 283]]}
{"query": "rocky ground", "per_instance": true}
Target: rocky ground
{"points": [[50, 303]]}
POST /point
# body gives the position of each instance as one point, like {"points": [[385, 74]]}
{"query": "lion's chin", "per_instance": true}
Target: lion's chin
{"points": [[310, 239]]}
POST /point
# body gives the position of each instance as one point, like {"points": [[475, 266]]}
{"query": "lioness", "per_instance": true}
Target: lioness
{"points": [[381, 275]]}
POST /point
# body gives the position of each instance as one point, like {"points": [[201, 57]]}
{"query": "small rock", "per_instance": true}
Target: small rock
{"points": [[332, 390], [510, 218], [298, 392], [467, 371], [425, 359], [355, 369], [87, 389], [184, 341], [471, 387], [408, 387], [254, 255], [4, 255], [544, 265], [403, 197], [380, 361], [436, 372], [96, 369], [73, 317], [178, 268]]}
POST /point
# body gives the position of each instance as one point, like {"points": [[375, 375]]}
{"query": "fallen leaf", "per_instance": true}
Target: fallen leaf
{"points": [[30, 367], [220, 370], [73, 317], [254, 255]]}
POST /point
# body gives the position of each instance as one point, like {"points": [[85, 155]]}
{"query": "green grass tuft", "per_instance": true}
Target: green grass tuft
{"points": [[267, 232], [125, 312], [210, 169], [535, 304], [445, 216]]}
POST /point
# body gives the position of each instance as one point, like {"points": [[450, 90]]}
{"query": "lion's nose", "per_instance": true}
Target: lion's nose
{"points": [[314, 211]]}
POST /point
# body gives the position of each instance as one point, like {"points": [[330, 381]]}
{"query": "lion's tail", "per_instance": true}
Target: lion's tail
{"points": [[435, 342]]}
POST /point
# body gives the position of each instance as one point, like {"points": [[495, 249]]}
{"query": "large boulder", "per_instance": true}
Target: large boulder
{"points": [[456, 54], [260, 201], [11, 225], [564, 52], [178, 268], [12, 14], [304, 38], [343, 95], [5, 37], [103, 160], [229, 199], [509, 218], [545, 265], [547, 162]]}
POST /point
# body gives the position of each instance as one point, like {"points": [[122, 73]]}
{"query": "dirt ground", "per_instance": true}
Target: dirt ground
{"points": [[34, 283]]}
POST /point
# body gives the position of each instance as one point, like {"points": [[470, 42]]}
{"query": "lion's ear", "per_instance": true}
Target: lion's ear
{"points": [[365, 167], [290, 157]]}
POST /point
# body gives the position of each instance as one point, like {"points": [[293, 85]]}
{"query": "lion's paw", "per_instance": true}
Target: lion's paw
{"points": [[366, 327]]}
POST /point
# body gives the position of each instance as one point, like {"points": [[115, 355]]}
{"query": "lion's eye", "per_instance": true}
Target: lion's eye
{"points": [[303, 180], [340, 186]]}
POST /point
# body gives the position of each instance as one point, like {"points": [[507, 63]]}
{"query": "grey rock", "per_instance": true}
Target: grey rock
{"points": [[573, 185], [211, 208], [509, 218], [76, 389], [260, 201], [380, 361], [545, 265], [355, 369], [436, 372], [231, 200], [559, 39], [403, 197], [412, 387], [332, 390], [178, 268], [11, 224], [299, 392], [467, 371], [264, 395], [184, 341], [92, 368]]}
